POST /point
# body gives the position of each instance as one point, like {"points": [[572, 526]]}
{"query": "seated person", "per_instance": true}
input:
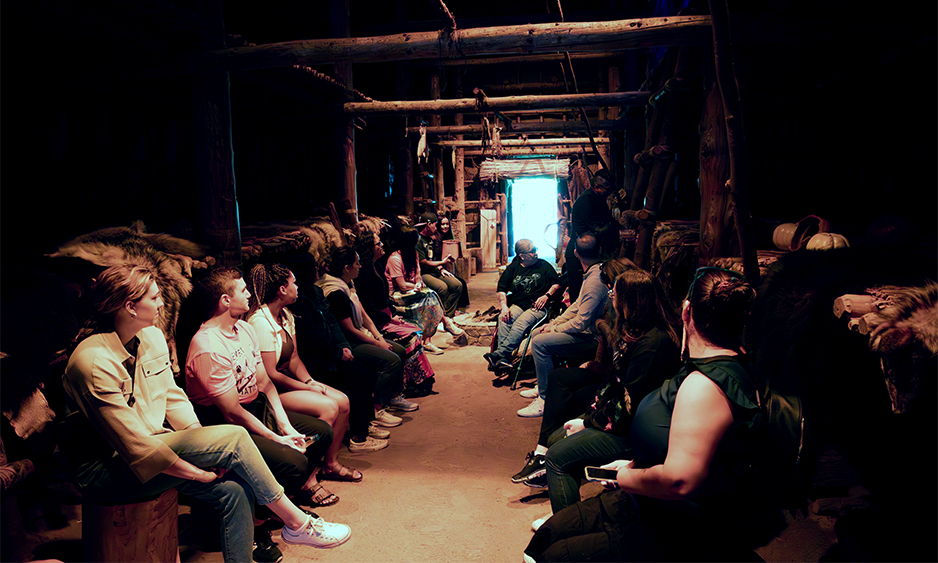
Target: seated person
{"points": [[531, 282], [645, 352], [444, 232], [148, 438], [689, 439], [273, 287], [227, 381], [372, 289], [423, 305], [366, 341], [574, 332], [325, 351], [437, 277]]}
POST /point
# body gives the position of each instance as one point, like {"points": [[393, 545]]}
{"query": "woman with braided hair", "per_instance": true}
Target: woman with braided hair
{"points": [[273, 288]]}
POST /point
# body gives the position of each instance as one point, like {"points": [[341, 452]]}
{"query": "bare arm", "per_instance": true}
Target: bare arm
{"points": [[701, 417], [265, 386], [280, 379]]}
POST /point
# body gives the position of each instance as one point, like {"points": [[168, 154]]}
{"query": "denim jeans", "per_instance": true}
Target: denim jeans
{"points": [[549, 344], [511, 333], [567, 458], [112, 482]]}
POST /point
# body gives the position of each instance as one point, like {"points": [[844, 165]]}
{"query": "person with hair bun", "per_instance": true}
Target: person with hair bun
{"points": [[684, 496], [119, 382], [273, 288]]}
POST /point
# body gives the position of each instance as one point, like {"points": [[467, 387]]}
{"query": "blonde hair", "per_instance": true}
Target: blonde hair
{"points": [[111, 290]]}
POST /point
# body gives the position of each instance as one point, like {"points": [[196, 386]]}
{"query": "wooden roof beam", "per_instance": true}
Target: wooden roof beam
{"points": [[533, 38], [470, 105]]}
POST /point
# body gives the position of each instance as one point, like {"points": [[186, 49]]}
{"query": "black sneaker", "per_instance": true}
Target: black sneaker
{"points": [[492, 358], [504, 366], [534, 467], [265, 550], [537, 482]]}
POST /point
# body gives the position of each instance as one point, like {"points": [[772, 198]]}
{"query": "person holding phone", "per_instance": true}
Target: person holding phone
{"points": [[435, 276], [683, 496], [645, 352]]}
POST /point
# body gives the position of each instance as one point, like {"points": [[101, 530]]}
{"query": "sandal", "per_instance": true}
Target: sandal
{"points": [[316, 497], [347, 474]]}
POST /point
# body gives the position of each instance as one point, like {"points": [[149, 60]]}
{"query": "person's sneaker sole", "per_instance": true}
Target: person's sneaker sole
{"points": [[536, 481], [410, 407], [378, 433], [529, 393], [366, 447]]}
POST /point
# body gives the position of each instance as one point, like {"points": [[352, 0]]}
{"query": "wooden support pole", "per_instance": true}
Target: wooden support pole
{"points": [[503, 228], [565, 127], [218, 224], [523, 142], [459, 221], [739, 182], [531, 38], [471, 105], [435, 155], [345, 131]]}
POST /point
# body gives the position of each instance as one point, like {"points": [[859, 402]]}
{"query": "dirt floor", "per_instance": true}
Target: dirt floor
{"points": [[441, 491]]}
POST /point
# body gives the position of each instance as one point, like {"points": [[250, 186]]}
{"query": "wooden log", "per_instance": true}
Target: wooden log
{"points": [[471, 105], [144, 531], [715, 216], [519, 128], [853, 305], [523, 59], [523, 142], [458, 222], [533, 38], [525, 151], [868, 322], [738, 184]]}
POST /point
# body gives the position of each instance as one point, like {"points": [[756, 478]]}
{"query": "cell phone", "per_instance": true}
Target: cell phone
{"points": [[600, 474], [307, 440]]}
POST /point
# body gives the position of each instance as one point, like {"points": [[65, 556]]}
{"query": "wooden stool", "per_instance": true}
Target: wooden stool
{"points": [[144, 531]]}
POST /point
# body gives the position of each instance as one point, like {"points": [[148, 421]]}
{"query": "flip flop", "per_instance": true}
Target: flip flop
{"points": [[318, 496], [347, 474]]}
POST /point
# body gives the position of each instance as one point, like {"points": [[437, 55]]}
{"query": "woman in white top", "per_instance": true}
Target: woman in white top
{"points": [[273, 288]]}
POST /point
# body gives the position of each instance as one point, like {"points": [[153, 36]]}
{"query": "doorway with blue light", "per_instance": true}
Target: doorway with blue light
{"points": [[533, 214]]}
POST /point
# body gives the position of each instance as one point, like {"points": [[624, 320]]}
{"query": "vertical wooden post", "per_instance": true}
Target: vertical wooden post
{"points": [[345, 131], [435, 155], [459, 221], [218, 223], [503, 228], [404, 163], [738, 184]]}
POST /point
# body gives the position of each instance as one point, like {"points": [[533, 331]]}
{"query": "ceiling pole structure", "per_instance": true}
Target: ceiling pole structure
{"points": [[345, 130], [472, 105], [458, 223], [436, 156], [504, 40], [218, 223], [565, 127]]}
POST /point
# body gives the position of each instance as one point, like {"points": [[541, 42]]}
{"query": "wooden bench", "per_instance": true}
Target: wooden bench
{"points": [[144, 531]]}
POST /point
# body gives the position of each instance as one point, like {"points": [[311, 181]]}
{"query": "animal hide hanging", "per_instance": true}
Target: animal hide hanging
{"points": [[171, 258], [423, 151]]}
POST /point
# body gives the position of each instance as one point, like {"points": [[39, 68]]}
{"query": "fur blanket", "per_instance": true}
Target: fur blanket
{"points": [[173, 260]]}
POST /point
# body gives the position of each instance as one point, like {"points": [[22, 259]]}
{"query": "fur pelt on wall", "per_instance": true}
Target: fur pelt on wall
{"points": [[170, 257], [907, 341]]}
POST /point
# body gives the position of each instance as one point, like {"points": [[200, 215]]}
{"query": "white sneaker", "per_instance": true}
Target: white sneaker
{"points": [[369, 445], [537, 523], [317, 533], [525, 558], [534, 410], [530, 393], [431, 348], [378, 433], [386, 419]]}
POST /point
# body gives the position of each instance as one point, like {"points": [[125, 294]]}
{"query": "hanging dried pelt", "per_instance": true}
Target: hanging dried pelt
{"points": [[423, 149]]}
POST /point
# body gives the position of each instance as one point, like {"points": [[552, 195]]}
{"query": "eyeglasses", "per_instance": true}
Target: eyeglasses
{"points": [[532, 251], [703, 271]]}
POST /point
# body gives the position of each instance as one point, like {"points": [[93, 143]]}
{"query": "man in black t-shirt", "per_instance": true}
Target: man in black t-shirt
{"points": [[531, 282]]}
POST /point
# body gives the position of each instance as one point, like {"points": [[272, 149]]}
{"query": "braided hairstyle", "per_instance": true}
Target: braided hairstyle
{"points": [[264, 281], [719, 306]]}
